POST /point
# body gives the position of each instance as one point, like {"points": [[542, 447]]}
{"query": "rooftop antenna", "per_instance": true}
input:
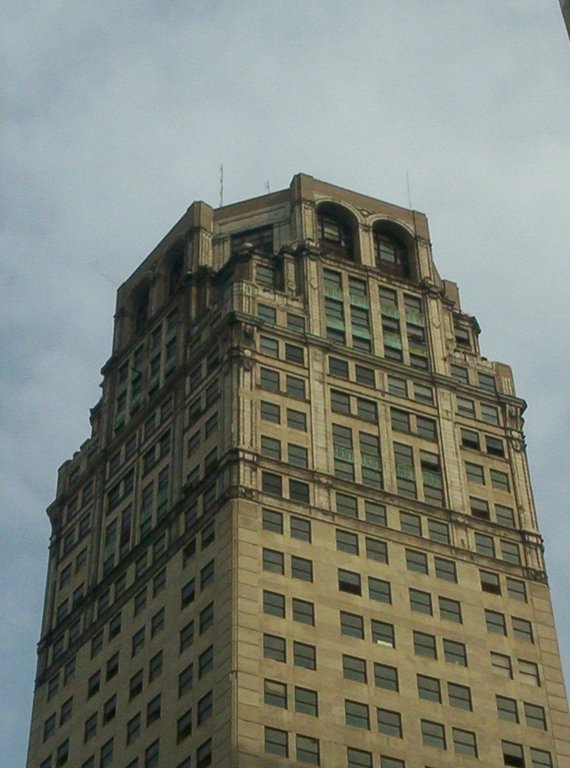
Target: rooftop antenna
{"points": [[267, 188], [409, 190], [221, 185]]}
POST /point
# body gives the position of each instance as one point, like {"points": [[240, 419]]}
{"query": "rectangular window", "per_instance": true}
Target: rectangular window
{"points": [[459, 696], [308, 750], [510, 552], [397, 386], [439, 531], [204, 752], [346, 542], [186, 636], [351, 624], [410, 523], [205, 706], [267, 313], [365, 376], [490, 582], [294, 354], [276, 742], [357, 714], [306, 701], [274, 647], [184, 726], [137, 643], [348, 581], [296, 420], [270, 412], [299, 491], [389, 722], [429, 688], [424, 645], [269, 380], [479, 508], [540, 758], [157, 623], [484, 545], [340, 402], [375, 513], [466, 407], [528, 672], [186, 680], [383, 633], [300, 529], [379, 590], [426, 428], [460, 373], [338, 368], [500, 480], [475, 473], [295, 387], [455, 653], [270, 448], [420, 601], [135, 685], [513, 754], [297, 455], [386, 677], [357, 758], [416, 561], [303, 611], [346, 505], [275, 693], [495, 622], [400, 420], [301, 568], [376, 550], [522, 630], [505, 516], [501, 665], [268, 346], [206, 661], [366, 409], [433, 734], [274, 604], [507, 709], [354, 668], [445, 569], [450, 610], [272, 483], [295, 323], [273, 561], [464, 742], [304, 655], [272, 521]]}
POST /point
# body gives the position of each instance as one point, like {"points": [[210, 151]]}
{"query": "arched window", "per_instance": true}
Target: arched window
{"points": [[391, 254], [141, 309], [335, 233], [175, 274]]}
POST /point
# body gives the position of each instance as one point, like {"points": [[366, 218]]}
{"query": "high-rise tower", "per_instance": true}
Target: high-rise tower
{"points": [[302, 530]]}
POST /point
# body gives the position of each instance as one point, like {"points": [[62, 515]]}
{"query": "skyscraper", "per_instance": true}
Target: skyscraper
{"points": [[302, 531]]}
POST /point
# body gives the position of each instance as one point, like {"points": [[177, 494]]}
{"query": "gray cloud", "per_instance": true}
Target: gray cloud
{"points": [[116, 117]]}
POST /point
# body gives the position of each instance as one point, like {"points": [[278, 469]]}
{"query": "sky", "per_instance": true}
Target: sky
{"points": [[117, 115]]}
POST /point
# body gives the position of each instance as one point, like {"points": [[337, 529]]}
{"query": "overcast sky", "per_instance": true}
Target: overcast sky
{"points": [[117, 115]]}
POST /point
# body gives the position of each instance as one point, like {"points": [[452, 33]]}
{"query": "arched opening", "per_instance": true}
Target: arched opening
{"points": [[174, 266], [175, 274], [141, 304], [336, 232], [391, 251]]}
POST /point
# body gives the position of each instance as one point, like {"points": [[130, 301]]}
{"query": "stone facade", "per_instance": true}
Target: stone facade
{"points": [[302, 530]]}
